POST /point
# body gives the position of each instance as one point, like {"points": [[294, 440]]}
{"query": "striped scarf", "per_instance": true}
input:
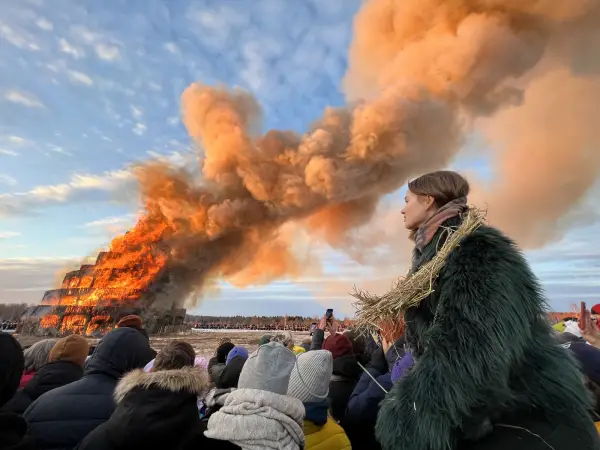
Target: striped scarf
{"points": [[425, 233]]}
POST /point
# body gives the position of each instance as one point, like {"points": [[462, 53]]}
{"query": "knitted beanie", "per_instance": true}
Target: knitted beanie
{"points": [[236, 351], [131, 321], [339, 345], [268, 369], [73, 348], [309, 381]]}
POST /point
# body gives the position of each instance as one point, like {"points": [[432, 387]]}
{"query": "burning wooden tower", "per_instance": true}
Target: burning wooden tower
{"points": [[94, 298]]}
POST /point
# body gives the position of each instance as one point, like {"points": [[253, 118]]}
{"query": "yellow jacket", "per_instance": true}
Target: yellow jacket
{"points": [[298, 350], [325, 437]]}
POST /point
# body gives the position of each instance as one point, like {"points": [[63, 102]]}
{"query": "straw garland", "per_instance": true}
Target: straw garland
{"points": [[410, 290]]}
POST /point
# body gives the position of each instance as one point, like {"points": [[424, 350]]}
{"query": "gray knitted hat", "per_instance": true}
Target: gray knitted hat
{"points": [[268, 369], [310, 377]]}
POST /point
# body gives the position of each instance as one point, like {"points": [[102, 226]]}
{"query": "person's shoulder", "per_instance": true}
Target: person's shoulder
{"points": [[490, 245]]}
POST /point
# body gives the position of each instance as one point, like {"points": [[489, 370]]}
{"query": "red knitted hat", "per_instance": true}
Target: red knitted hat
{"points": [[339, 345], [596, 309], [131, 321]]}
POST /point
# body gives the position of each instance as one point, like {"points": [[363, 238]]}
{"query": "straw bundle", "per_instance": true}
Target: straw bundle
{"points": [[373, 310]]}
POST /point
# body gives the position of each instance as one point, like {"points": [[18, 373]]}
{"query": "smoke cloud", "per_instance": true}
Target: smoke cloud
{"points": [[422, 75]]}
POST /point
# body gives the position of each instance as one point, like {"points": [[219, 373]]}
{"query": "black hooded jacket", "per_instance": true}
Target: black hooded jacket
{"points": [[50, 376], [231, 374], [346, 373], [154, 410], [61, 418]]}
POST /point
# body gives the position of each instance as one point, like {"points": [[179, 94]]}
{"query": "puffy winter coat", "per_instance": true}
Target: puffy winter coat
{"points": [[320, 431], [154, 410], [50, 376], [363, 405], [61, 418], [485, 355]]}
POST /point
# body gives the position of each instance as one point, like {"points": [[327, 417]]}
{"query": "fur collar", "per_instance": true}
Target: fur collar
{"points": [[190, 379]]}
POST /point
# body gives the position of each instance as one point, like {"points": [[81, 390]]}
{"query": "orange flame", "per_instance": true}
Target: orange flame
{"points": [[73, 324], [49, 321]]}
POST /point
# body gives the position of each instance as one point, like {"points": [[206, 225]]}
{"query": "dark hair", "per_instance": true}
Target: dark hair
{"points": [[175, 355], [443, 185]]}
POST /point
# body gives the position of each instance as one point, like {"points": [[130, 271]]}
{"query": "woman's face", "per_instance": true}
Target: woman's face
{"points": [[417, 210]]}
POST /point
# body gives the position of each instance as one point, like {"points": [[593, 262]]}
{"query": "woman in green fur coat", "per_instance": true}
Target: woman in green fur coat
{"points": [[488, 372]]}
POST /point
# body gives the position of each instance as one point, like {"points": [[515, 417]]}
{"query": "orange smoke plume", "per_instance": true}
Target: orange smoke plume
{"points": [[422, 75]]}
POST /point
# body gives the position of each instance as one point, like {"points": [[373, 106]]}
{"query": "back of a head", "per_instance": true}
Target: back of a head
{"points": [[74, 348], [222, 351], [268, 369], [310, 377], [339, 345], [11, 366], [131, 321], [120, 351], [444, 186], [175, 355], [236, 352], [37, 355]]}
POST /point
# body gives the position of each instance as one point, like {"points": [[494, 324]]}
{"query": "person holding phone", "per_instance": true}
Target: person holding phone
{"points": [[346, 371], [488, 371]]}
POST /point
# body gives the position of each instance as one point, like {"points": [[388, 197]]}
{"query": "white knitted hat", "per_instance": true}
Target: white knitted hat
{"points": [[268, 369], [310, 377]]}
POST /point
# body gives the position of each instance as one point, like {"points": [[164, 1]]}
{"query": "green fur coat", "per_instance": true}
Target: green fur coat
{"points": [[489, 352]]}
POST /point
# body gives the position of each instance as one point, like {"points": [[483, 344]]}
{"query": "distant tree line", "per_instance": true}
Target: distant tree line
{"points": [[254, 322], [12, 312]]}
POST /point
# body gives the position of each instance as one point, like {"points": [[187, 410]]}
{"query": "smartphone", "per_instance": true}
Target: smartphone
{"points": [[328, 314], [313, 326], [582, 316]]}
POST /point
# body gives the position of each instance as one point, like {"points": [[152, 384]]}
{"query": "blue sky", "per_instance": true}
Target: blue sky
{"points": [[87, 88]]}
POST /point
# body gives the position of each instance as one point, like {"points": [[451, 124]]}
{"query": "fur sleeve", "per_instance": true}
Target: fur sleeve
{"points": [[487, 299]]}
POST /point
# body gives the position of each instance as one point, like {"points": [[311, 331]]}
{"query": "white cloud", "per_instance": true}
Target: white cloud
{"points": [[78, 188], [173, 120], [108, 221], [69, 49], [17, 140], [80, 77], [107, 52], [9, 234], [82, 33], [139, 129], [155, 86], [44, 24], [19, 39], [7, 152], [136, 111], [23, 98], [172, 47], [7, 179]]}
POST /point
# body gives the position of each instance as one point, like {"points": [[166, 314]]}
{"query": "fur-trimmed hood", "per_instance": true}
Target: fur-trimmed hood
{"points": [[189, 379]]}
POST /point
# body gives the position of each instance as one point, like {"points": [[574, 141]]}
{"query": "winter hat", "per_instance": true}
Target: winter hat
{"points": [[596, 309], [222, 351], [11, 366], [73, 348], [588, 357], [339, 345], [236, 351], [268, 369], [131, 321], [402, 366], [264, 340], [309, 381]]}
